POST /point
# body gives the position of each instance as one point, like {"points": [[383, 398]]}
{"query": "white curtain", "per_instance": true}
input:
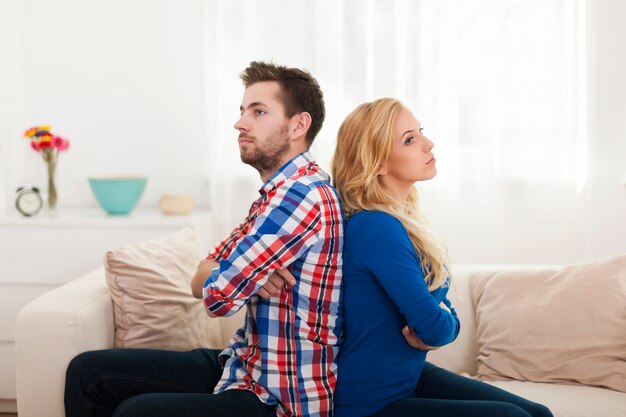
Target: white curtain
{"points": [[498, 85]]}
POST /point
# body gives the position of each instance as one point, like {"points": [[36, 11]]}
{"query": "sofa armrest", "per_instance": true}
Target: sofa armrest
{"points": [[53, 329]]}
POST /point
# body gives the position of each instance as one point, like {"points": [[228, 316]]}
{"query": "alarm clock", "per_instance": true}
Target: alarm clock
{"points": [[28, 200]]}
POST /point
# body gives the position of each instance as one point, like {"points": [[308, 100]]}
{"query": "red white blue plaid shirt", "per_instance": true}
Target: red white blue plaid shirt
{"points": [[286, 352]]}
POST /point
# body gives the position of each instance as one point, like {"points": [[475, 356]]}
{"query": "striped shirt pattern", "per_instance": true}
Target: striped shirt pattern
{"points": [[286, 351]]}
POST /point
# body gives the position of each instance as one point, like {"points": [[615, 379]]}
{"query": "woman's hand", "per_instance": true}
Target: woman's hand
{"points": [[275, 282], [414, 341]]}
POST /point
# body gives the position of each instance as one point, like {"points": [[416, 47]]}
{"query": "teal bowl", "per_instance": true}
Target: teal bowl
{"points": [[118, 195]]}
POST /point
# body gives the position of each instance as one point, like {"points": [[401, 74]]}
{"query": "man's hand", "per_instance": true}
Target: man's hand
{"points": [[204, 270], [275, 282], [413, 340]]}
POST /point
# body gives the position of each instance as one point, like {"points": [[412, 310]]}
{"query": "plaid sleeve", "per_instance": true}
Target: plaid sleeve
{"points": [[224, 249], [286, 227]]}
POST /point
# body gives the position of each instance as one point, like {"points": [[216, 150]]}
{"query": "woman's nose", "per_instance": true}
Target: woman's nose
{"points": [[429, 144]]}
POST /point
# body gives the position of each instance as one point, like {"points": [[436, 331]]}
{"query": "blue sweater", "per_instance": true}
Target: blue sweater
{"points": [[383, 290]]}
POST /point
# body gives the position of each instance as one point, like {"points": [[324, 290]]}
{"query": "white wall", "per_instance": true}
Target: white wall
{"points": [[9, 91], [124, 82]]}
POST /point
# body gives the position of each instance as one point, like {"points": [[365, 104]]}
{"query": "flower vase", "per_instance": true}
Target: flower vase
{"points": [[49, 146], [52, 189]]}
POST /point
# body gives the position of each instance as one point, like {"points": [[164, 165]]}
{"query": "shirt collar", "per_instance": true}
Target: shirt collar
{"points": [[286, 171]]}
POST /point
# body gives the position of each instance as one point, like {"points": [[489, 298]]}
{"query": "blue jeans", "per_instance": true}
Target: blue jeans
{"points": [[154, 383], [440, 393]]}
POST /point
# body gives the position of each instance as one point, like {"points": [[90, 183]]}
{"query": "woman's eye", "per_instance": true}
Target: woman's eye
{"points": [[259, 112], [409, 140]]}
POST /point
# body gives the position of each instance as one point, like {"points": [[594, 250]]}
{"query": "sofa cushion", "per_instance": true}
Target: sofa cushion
{"points": [[569, 400], [553, 325], [150, 286]]}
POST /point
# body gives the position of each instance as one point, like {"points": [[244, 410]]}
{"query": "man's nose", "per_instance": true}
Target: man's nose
{"points": [[240, 124]]}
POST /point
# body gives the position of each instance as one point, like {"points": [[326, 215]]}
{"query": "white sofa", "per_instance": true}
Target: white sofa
{"points": [[78, 317]]}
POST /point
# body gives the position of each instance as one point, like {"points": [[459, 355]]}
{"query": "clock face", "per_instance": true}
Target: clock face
{"points": [[29, 203]]}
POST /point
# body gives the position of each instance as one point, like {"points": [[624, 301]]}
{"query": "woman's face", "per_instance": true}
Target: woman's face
{"points": [[411, 156]]}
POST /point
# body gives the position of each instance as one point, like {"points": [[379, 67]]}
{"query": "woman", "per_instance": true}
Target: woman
{"points": [[395, 280]]}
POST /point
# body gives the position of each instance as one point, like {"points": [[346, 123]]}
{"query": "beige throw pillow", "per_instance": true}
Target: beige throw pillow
{"points": [[565, 325], [150, 286]]}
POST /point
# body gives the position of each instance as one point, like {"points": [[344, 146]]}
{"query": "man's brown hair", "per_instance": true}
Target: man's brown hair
{"points": [[299, 91]]}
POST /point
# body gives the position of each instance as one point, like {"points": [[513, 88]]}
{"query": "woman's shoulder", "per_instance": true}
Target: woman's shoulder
{"points": [[372, 237], [365, 217], [374, 223]]}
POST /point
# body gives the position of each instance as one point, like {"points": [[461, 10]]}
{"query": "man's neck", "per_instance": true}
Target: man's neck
{"points": [[267, 174]]}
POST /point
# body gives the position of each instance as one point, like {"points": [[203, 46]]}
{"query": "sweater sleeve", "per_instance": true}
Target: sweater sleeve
{"points": [[381, 245]]}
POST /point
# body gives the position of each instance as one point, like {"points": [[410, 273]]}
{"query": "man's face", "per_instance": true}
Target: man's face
{"points": [[263, 128]]}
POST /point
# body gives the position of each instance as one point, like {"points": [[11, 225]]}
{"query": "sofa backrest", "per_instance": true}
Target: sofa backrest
{"points": [[460, 356]]}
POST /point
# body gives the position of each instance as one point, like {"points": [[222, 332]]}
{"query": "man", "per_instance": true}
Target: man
{"points": [[282, 362]]}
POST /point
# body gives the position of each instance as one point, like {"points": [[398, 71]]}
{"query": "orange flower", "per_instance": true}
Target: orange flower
{"points": [[31, 132]]}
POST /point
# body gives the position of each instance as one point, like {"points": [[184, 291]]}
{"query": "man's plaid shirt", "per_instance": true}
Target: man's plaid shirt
{"points": [[286, 352]]}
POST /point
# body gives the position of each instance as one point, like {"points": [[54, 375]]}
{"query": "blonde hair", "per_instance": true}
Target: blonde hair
{"points": [[364, 144]]}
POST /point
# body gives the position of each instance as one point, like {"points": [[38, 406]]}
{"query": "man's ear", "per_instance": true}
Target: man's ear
{"points": [[299, 125]]}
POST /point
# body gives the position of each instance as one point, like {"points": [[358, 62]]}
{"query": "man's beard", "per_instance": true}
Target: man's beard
{"points": [[268, 157]]}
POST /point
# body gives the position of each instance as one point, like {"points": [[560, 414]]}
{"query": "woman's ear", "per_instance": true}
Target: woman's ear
{"points": [[383, 170]]}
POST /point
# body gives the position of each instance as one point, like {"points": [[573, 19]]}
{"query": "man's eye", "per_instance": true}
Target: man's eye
{"points": [[259, 112], [421, 129], [409, 140]]}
